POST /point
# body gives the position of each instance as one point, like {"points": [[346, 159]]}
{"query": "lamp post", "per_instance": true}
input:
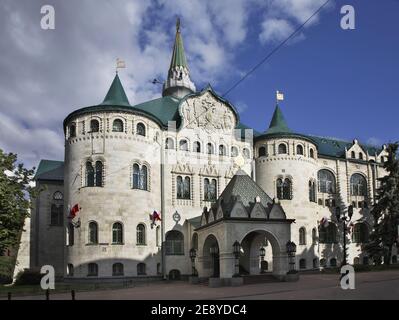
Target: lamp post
{"points": [[344, 219], [262, 253], [193, 254], [236, 252], [291, 250]]}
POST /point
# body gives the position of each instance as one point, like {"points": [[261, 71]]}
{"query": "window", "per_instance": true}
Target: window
{"points": [[89, 175], [315, 263], [72, 131], [99, 174], [314, 236], [197, 147], [222, 150], [140, 129], [394, 259], [328, 234], [210, 189], [284, 189], [262, 152], [302, 263], [158, 236], [94, 126], [140, 235], [174, 243], [209, 148], [169, 144], [302, 236], [323, 262], [326, 181], [234, 151], [360, 156], [246, 153], [311, 153], [92, 270], [117, 269], [71, 234], [299, 149], [117, 125], [58, 195], [360, 233], [356, 260], [353, 155], [358, 185], [194, 241], [117, 233], [70, 270], [312, 191], [159, 271], [183, 145], [183, 187], [141, 269], [57, 215], [333, 262], [140, 176], [282, 148], [93, 233]]}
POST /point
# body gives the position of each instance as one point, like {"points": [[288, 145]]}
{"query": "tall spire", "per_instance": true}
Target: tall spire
{"points": [[178, 82], [116, 94], [278, 123]]}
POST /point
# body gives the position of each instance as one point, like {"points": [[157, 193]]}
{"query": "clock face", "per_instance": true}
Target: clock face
{"points": [[58, 195]]}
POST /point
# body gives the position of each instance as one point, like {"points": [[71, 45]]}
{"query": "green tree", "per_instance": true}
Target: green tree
{"points": [[386, 211], [15, 195]]}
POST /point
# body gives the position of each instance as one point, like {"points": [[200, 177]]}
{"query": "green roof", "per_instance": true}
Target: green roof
{"points": [[116, 94], [278, 124], [50, 170], [178, 55], [195, 222]]}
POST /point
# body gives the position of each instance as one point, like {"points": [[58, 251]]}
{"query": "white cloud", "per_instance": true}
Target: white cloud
{"points": [[275, 30]]}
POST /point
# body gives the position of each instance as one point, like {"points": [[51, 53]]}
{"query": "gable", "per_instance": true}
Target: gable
{"points": [[238, 211], [277, 212], [258, 212]]}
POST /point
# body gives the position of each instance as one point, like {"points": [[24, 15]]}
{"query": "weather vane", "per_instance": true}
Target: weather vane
{"points": [[120, 64]]}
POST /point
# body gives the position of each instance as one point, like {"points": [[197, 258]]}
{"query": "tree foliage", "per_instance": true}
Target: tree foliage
{"points": [[15, 195], [386, 211]]}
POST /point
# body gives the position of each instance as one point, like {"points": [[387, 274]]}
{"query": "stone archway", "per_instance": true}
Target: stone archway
{"points": [[210, 257]]}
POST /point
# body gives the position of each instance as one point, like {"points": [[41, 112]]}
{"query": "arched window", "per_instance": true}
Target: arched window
{"points": [[326, 181], [314, 236], [140, 235], [194, 241], [353, 155], [302, 236], [234, 151], [283, 189], [299, 149], [94, 126], [117, 125], [143, 178], [70, 270], [282, 148], [93, 232], [141, 269], [183, 145], [71, 234], [169, 144], [158, 236], [315, 263], [356, 260], [57, 215], [140, 129], [117, 269], [360, 233], [328, 234], [183, 187], [197, 147], [302, 263], [99, 174], [246, 153], [360, 156], [311, 153], [209, 148], [279, 186], [262, 152], [358, 185], [210, 189], [174, 243], [140, 177], [89, 175], [222, 150], [92, 270], [394, 259], [117, 233], [323, 262], [333, 262], [312, 191], [136, 176], [72, 131]]}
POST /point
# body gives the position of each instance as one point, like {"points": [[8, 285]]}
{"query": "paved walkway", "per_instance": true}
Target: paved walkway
{"points": [[369, 285]]}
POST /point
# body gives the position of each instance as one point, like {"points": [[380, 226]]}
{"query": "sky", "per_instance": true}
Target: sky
{"points": [[336, 83]]}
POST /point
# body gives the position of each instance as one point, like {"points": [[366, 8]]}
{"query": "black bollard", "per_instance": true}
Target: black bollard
{"points": [[9, 295], [73, 294], [47, 294]]}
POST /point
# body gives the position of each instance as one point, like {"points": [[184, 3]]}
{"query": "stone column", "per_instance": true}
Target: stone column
{"points": [[280, 265], [227, 265]]}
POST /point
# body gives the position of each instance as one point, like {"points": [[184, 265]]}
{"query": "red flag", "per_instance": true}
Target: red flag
{"points": [[156, 216], [74, 211]]}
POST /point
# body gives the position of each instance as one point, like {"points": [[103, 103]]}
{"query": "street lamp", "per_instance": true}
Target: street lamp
{"points": [[344, 219], [262, 253], [236, 252], [291, 250], [193, 254]]}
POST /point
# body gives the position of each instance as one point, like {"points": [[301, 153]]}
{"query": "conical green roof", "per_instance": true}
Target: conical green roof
{"points": [[116, 95], [178, 56], [278, 124]]}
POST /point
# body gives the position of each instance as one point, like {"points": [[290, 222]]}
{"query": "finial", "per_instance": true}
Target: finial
{"points": [[178, 24], [120, 64], [279, 96]]}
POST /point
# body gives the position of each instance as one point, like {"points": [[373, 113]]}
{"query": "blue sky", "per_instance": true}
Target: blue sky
{"points": [[337, 83]]}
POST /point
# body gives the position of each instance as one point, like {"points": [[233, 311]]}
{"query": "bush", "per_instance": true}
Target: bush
{"points": [[5, 279], [28, 277]]}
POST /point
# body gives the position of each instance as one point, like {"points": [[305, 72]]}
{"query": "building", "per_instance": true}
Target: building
{"points": [[214, 181]]}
